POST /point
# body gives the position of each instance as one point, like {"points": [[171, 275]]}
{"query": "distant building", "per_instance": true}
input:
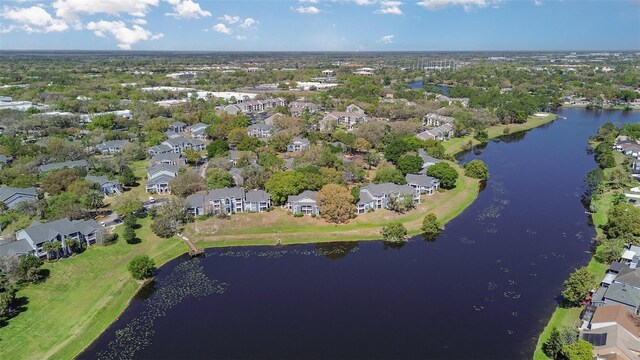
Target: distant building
{"points": [[158, 178], [107, 186], [11, 196], [82, 164], [304, 203], [298, 144], [112, 146], [228, 201]]}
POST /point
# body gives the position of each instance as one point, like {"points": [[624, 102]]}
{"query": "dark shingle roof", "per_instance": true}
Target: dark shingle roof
{"points": [[62, 165]]}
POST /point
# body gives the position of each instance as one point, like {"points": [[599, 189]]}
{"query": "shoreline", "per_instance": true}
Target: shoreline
{"points": [[83, 333]]}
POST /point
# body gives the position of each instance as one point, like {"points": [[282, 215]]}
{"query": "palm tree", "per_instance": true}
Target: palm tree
{"points": [[49, 247], [71, 244]]}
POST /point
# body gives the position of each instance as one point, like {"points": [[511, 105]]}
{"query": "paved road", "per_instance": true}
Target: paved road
{"points": [[155, 203]]}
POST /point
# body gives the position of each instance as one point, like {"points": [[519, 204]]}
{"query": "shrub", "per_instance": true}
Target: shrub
{"points": [[476, 169], [430, 227], [298, 214], [141, 267], [394, 232]]}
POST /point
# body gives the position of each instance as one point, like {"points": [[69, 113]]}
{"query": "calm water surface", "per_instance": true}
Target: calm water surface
{"points": [[484, 289]]}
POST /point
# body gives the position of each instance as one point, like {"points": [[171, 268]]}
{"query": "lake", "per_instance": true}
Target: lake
{"points": [[484, 289], [414, 85]]}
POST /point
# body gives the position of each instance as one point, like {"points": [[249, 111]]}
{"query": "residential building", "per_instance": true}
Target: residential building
{"points": [[108, 187], [260, 130], [11, 196], [423, 183], [168, 158], [177, 145], [297, 108], [426, 160], [158, 178], [198, 131], [376, 196], [298, 144], [442, 132], [32, 239], [304, 203], [178, 127], [112, 146], [614, 330], [432, 119], [67, 164], [260, 105], [228, 200]]}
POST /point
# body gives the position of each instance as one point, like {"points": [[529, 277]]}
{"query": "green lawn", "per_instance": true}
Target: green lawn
{"points": [[457, 144], [79, 300]]}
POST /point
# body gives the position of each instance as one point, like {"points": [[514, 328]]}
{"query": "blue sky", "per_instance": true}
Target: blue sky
{"points": [[320, 25]]}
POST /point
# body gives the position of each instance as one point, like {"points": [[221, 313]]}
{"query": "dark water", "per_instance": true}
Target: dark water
{"points": [[485, 289], [420, 84]]}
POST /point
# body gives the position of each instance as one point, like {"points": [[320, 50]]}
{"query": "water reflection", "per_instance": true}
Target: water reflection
{"points": [[336, 250]]}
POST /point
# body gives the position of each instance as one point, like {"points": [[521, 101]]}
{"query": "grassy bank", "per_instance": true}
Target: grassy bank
{"points": [[562, 317], [277, 227], [83, 295], [457, 145]]}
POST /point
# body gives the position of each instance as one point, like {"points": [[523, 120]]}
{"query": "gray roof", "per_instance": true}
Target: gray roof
{"points": [[162, 179], [178, 140], [40, 233], [198, 127], [365, 198], [160, 148], [426, 158], [263, 127], [62, 165], [629, 276], [162, 167], [624, 294], [234, 192], [7, 192], [3, 158], [297, 140], [100, 180], [195, 200], [389, 188], [304, 195], [18, 247], [113, 144], [167, 156], [421, 180], [178, 124], [257, 196]]}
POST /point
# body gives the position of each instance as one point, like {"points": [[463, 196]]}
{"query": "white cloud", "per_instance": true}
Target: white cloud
{"points": [[387, 39], [187, 9], [32, 19], [70, 9], [230, 19], [390, 7], [468, 5], [537, 2], [307, 10], [118, 29], [221, 28], [309, 1], [139, 21], [364, 2], [241, 37], [248, 22]]}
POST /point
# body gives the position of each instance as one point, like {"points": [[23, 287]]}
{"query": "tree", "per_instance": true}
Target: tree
{"points": [[609, 250], [72, 245], [401, 203], [217, 179], [29, 268], [254, 177], [126, 205], [129, 234], [94, 199], [396, 149], [362, 145], [389, 174], [217, 148], [52, 247], [65, 205], [170, 218], [619, 178], [335, 203], [104, 122], [394, 232], [476, 169], [57, 181], [579, 350], [577, 286], [410, 164], [445, 173], [141, 267], [283, 184], [250, 144], [430, 226], [187, 183], [624, 221], [553, 346], [191, 156], [593, 181], [279, 141], [127, 177]]}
